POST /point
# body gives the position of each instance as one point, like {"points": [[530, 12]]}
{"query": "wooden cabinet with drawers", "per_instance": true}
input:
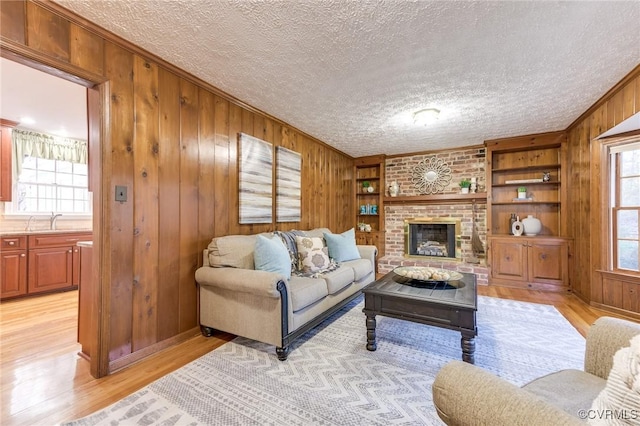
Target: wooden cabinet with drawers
{"points": [[42, 262], [13, 266]]}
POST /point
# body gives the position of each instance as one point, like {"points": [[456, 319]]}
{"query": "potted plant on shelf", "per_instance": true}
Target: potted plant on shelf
{"points": [[522, 192], [465, 184], [366, 186]]}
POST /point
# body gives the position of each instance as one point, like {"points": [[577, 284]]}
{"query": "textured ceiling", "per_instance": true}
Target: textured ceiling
{"points": [[351, 73]]}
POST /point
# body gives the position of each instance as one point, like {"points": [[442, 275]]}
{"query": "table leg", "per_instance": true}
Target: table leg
{"points": [[468, 347], [371, 332]]}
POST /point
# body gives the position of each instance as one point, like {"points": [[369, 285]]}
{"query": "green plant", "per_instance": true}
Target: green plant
{"points": [[465, 183], [365, 184], [522, 189]]}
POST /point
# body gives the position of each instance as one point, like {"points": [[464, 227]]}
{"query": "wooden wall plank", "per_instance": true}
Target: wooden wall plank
{"points": [[145, 199], [628, 101], [12, 20], [235, 127], [169, 205], [86, 50], [207, 164], [221, 168], [189, 235], [47, 32], [119, 70]]}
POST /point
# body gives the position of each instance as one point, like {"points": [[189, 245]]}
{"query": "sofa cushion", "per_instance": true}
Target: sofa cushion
{"points": [[235, 251], [622, 390], [338, 279], [342, 247], [361, 268], [317, 232], [569, 390], [306, 291], [271, 255], [312, 254]]}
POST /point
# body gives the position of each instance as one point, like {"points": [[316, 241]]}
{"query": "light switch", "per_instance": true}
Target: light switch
{"points": [[121, 193]]}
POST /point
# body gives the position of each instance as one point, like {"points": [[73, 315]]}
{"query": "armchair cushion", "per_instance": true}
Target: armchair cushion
{"points": [[582, 388]]}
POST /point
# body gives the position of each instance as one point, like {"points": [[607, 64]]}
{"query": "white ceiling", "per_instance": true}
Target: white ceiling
{"points": [[57, 106], [352, 72]]}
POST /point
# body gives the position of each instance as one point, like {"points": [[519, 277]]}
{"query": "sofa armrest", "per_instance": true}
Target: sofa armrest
{"points": [[464, 394], [261, 283], [604, 338], [369, 252]]}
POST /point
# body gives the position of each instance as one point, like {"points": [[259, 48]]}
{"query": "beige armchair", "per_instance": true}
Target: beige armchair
{"points": [[464, 394]]}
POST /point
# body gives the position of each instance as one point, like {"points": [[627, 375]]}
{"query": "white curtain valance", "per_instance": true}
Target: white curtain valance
{"points": [[41, 145]]}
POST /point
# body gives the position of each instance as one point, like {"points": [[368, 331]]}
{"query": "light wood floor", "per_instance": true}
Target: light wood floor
{"points": [[44, 381]]}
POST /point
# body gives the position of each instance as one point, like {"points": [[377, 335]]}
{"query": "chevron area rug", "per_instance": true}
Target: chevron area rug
{"points": [[331, 379]]}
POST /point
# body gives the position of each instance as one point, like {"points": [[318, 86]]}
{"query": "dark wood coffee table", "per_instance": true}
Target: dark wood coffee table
{"points": [[451, 306]]}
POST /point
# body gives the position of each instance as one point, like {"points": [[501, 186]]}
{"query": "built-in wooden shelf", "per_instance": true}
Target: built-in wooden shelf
{"points": [[478, 197]]}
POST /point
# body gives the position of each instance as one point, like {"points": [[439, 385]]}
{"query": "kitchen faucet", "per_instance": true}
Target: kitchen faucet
{"points": [[28, 227], [53, 220]]}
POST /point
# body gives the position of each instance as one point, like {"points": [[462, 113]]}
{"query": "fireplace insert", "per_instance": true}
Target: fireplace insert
{"points": [[432, 237]]}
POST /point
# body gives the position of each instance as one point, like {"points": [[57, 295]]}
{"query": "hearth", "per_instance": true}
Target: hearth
{"points": [[432, 237]]}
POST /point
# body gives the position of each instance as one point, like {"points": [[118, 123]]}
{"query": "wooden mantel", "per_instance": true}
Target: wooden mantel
{"points": [[479, 197]]}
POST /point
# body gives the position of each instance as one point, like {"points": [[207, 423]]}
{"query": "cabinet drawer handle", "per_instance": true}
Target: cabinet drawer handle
{"points": [[12, 243], [75, 251], [69, 251], [23, 255]]}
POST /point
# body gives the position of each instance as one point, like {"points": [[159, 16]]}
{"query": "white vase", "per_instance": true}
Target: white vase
{"points": [[394, 189], [517, 228], [522, 195], [532, 225], [464, 190]]}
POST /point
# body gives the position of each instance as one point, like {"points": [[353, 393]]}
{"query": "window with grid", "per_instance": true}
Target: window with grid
{"points": [[625, 207], [46, 186]]}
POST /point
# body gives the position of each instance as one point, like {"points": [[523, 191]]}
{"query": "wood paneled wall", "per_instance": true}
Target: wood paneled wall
{"points": [[172, 141], [585, 207]]}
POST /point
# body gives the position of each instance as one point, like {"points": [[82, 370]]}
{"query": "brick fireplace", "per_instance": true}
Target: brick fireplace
{"points": [[464, 163]]}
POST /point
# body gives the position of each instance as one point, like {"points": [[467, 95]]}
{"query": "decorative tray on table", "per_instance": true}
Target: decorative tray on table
{"points": [[426, 276]]}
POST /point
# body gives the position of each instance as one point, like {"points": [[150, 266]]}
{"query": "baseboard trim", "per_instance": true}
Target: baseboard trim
{"points": [[136, 356]]}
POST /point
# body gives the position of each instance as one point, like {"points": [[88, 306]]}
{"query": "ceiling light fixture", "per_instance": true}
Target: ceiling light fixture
{"points": [[426, 116]]}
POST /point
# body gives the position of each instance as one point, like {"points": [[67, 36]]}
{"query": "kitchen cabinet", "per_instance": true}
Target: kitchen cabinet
{"points": [[40, 262], [536, 262], [6, 176], [369, 200], [51, 261], [13, 262]]}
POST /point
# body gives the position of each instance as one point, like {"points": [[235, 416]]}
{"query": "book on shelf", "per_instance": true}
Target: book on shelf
{"points": [[523, 199]]}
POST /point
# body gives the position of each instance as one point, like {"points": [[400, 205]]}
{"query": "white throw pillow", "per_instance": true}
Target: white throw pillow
{"points": [[619, 401]]}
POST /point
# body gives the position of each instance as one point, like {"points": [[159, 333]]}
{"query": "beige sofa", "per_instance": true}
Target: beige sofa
{"points": [[464, 394], [266, 306]]}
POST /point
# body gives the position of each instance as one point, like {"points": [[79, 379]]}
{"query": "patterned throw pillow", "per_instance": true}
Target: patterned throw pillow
{"points": [[312, 254]]}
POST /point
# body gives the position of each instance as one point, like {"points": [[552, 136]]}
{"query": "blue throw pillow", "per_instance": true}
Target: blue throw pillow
{"points": [[271, 255], [342, 247]]}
